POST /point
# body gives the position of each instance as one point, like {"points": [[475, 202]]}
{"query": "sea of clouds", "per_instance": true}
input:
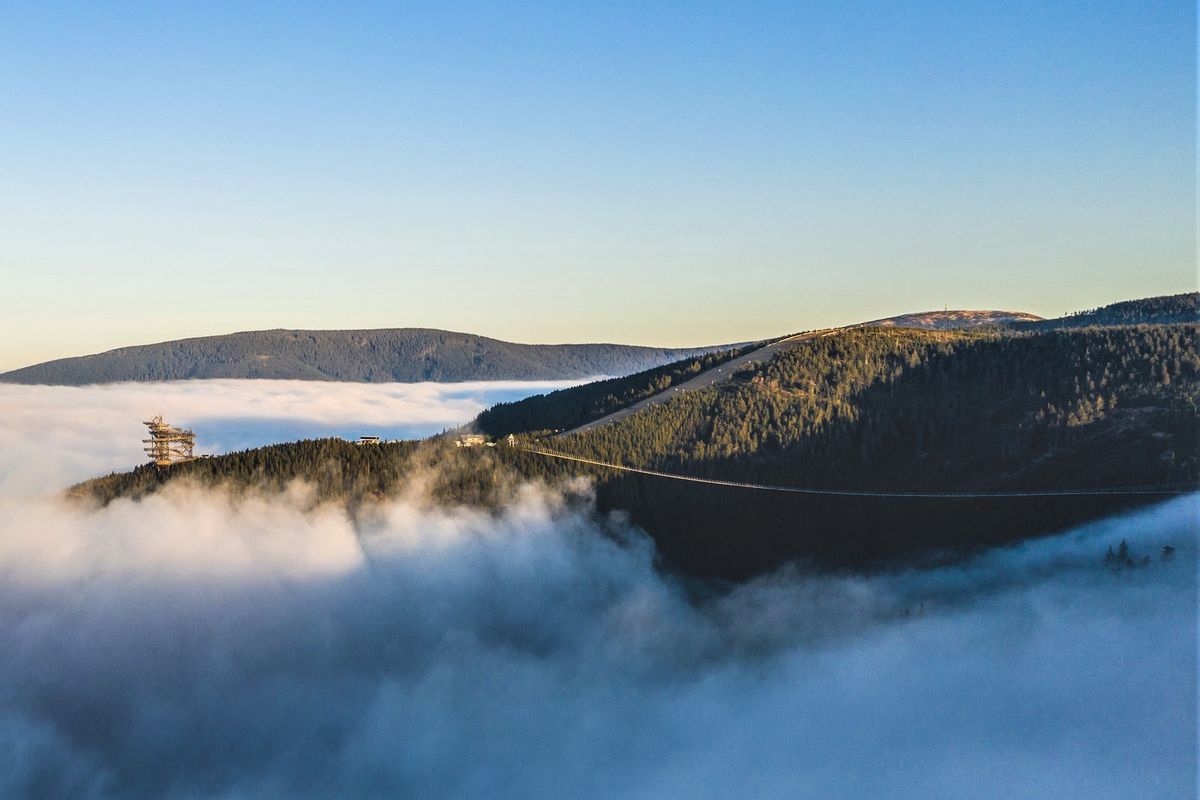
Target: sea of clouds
{"points": [[200, 645], [76, 432]]}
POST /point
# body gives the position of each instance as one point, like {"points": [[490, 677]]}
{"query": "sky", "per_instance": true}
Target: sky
{"points": [[667, 173]]}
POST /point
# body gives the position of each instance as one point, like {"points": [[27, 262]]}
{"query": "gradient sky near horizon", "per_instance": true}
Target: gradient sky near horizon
{"points": [[667, 173]]}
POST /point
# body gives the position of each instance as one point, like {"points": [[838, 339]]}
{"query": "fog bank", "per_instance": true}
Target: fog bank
{"points": [[196, 645], [55, 435], [192, 645]]}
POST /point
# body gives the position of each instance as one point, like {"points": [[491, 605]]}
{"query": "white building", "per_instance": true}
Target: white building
{"points": [[471, 440]]}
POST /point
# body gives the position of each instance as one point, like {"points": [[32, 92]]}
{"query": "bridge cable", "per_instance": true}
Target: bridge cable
{"points": [[1112, 491]]}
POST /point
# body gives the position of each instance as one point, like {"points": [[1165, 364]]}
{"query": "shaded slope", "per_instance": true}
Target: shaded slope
{"points": [[710, 377]]}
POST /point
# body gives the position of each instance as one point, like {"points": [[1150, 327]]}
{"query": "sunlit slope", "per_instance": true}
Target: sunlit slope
{"points": [[912, 409], [599, 403], [569, 408]]}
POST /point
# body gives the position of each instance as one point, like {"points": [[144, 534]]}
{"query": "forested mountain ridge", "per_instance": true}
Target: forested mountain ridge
{"points": [[569, 408], [1163, 310], [894, 409], [861, 408], [399, 354], [862, 405]]}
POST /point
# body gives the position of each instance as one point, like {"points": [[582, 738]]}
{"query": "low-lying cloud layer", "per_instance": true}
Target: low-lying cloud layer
{"points": [[70, 433], [194, 645]]}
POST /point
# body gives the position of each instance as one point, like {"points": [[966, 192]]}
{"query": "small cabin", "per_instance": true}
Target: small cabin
{"points": [[368, 440]]}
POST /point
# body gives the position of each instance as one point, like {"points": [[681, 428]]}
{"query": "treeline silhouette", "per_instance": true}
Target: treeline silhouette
{"points": [[1164, 310]]}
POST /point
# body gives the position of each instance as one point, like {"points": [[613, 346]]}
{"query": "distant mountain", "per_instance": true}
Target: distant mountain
{"points": [[422, 354], [952, 320], [399, 354]]}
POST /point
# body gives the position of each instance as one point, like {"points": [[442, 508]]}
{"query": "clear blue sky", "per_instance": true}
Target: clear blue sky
{"points": [[667, 173]]}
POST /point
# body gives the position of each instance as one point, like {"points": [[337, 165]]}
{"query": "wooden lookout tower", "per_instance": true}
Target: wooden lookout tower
{"points": [[168, 445]]}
